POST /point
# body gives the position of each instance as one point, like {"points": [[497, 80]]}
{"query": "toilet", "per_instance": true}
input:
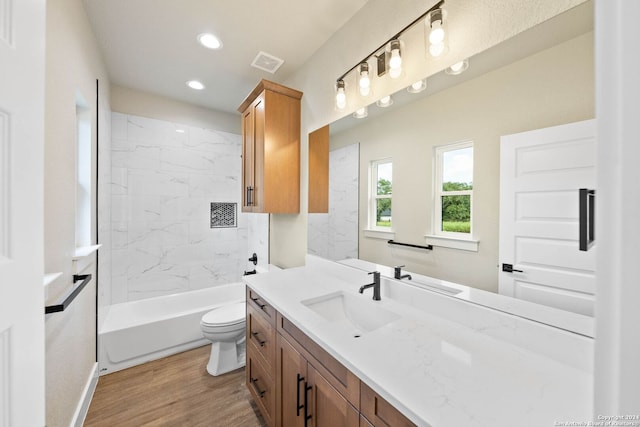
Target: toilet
{"points": [[225, 328]]}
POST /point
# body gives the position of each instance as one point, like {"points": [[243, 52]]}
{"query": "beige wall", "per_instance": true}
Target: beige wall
{"points": [[501, 19], [73, 63], [552, 87], [130, 101]]}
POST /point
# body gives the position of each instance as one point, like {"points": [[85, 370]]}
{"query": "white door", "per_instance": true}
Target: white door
{"points": [[541, 172], [22, 42]]}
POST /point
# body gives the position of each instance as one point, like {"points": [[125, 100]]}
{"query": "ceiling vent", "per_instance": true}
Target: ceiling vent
{"points": [[266, 62]]}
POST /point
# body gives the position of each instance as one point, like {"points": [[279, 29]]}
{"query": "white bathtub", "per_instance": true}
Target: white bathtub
{"points": [[139, 331]]}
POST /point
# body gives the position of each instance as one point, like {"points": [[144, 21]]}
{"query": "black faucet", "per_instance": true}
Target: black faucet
{"points": [[397, 273], [375, 285]]}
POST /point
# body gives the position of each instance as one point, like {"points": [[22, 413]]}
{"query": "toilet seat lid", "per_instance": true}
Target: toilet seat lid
{"points": [[226, 315]]}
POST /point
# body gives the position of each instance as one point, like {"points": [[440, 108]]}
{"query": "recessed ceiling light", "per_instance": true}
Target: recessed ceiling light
{"points": [[361, 113], [418, 86], [458, 67], [384, 102], [209, 41], [194, 84]]}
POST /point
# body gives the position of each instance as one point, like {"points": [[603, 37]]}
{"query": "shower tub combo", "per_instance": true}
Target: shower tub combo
{"points": [[140, 331]]}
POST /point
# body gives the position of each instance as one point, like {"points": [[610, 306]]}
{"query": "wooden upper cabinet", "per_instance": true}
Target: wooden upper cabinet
{"points": [[271, 149], [319, 170]]}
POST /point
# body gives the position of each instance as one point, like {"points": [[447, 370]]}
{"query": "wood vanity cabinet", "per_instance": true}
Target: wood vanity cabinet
{"points": [[271, 149], [306, 397], [261, 351], [296, 383], [378, 412]]}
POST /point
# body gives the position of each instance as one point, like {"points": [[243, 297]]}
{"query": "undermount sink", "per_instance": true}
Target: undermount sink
{"points": [[353, 314]]}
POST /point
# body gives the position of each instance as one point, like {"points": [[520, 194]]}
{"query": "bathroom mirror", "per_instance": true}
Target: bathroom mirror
{"points": [[540, 78]]}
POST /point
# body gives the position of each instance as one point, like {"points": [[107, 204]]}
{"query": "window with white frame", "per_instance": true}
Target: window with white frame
{"points": [[453, 194], [380, 186]]}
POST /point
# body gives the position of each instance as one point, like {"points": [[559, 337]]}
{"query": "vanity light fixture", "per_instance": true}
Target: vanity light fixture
{"points": [[458, 67], [384, 102], [341, 96], [209, 41], [395, 60], [195, 84], [436, 32], [361, 113], [389, 55], [364, 82], [418, 86], [180, 130]]}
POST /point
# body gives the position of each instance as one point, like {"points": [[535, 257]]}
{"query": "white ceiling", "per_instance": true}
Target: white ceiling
{"points": [[150, 45]]}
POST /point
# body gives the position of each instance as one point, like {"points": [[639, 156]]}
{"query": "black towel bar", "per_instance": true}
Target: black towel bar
{"points": [[428, 247], [86, 278]]}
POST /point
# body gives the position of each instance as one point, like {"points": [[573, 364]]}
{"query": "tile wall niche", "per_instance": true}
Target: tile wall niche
{"points": [[164, 177], [334, 235]]}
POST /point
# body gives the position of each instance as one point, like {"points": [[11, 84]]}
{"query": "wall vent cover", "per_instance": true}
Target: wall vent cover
{"points": [[223, 215], [267, 62]]}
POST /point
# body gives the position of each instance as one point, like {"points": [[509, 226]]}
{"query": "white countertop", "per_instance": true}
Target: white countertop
{"points": [[446, 362]]}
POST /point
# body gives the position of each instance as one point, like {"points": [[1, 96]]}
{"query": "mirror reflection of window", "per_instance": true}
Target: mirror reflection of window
{"points": [[382, 183], [454, 190]]}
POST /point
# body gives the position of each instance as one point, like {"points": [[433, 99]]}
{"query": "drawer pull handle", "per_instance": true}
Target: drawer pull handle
{"points": [[255, 337], [262, 306], [251, 201], [255, 387], [300, 379]]}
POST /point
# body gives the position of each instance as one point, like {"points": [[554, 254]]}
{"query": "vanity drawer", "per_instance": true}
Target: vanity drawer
{"points": [[378, 411], [256, 301], [262, 388], [261, 337]]}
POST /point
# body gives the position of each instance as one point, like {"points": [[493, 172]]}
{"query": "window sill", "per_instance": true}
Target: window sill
{"points": [[84, 251], [379, 234], [83, 258], [453, 243]]}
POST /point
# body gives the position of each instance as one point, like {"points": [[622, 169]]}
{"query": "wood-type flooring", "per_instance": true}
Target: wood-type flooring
{"points": [[173, 391]]}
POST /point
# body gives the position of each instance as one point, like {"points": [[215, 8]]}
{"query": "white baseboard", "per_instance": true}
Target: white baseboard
{"points": [[85, 400]]}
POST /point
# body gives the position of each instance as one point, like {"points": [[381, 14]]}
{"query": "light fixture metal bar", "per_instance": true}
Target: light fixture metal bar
{"points": [[398, 34]]}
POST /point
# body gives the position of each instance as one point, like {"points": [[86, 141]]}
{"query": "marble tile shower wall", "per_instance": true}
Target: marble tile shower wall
{"points": [[335, 235], [163, 182]]}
